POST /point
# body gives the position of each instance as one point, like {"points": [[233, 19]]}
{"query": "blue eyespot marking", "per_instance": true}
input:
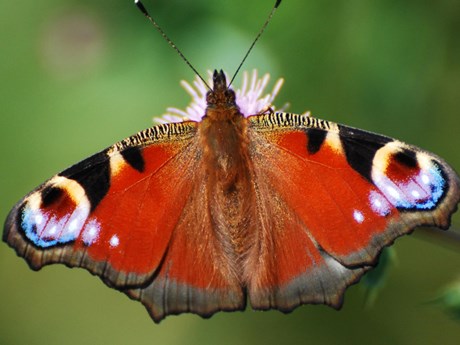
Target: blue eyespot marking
{"points": [[44, 229], [422, 191]]}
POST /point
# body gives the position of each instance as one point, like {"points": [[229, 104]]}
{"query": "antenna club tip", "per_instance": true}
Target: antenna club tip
{"points": [[141, 7], [278, 2]]}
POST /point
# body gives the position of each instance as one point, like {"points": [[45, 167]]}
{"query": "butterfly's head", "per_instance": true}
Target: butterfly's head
{"points": [[220, 97]]}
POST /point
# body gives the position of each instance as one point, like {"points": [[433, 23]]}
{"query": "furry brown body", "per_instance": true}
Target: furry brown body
{"points": [[224, 138]]}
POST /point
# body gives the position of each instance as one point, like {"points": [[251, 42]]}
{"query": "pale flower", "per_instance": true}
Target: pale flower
{"points": [[249, 97]]}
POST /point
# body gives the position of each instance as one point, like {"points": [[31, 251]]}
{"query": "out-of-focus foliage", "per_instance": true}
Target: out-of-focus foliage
{"points": [[374, 281], [449, 299], [77, 76]]}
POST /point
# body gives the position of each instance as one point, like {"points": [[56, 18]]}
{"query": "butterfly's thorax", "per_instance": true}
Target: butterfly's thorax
{"points": [[223, 134], [225, 150]]}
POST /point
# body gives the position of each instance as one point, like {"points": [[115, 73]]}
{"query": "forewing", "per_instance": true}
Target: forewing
{"points": [[113, 213], [340, 195]]}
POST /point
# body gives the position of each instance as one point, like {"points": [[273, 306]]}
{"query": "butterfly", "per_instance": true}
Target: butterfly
{"points": [[272, 208]]}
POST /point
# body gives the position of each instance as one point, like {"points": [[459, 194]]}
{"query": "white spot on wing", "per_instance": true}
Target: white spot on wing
{"points": [[53, 228], [425, 179], [77, 219], [114, 241], [358, 216], [52, 231], [73, 225], [38, 219], [91, 232], [379, 203], [393, 192]]}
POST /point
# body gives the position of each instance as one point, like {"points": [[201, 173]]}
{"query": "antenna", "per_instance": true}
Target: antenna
{"points": [[141, 7], [277, 3]]}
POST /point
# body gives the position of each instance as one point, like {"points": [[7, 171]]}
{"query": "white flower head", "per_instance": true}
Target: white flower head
{"points": [[249, 97]]}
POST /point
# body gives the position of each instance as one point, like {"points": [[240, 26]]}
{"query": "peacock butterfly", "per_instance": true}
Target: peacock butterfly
{"points": [[241, 204]]}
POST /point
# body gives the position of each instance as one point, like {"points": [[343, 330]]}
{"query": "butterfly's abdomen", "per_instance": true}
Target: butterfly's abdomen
{"points": [[227, 165]]}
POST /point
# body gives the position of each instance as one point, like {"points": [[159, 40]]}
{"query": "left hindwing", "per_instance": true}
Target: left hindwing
{"points": [[346, 193]]}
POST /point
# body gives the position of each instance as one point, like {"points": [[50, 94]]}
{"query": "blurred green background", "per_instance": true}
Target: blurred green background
{"points": [[76, 76]]}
